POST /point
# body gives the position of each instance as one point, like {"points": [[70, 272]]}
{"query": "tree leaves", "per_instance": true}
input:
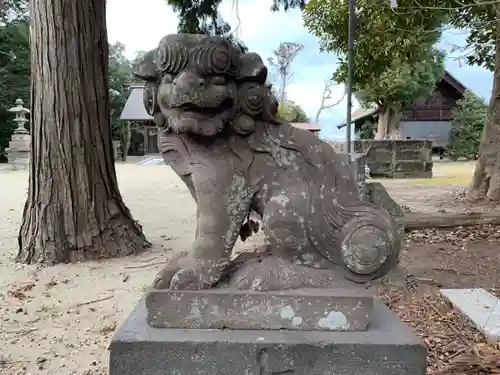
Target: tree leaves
{"points": [[394, 59], [291, 112], [14, 75], [403, 83], [281, 66], [15, 78], [468, 120], [13, 10], [119, 75], [202, 17], [480, 19]]}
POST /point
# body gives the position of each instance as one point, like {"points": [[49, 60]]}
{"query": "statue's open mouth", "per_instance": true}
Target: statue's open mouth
{"points": [[225, 105]]}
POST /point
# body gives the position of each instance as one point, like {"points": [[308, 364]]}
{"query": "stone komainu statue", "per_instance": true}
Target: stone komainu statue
{"points": [[219, 132]]}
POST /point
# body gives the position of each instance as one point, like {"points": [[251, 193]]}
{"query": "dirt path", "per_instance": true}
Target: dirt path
{"points": [[49, 323], [59, 320]]}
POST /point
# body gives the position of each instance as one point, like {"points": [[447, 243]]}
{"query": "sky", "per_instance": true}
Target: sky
{"points": [[140, 25]]}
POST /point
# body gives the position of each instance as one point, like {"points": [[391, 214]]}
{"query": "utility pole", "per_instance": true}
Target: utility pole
{"points": [[350, 53]]}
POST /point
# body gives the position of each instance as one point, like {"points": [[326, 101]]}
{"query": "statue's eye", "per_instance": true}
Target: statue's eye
{"points": [[218, 80], [167, 78]]}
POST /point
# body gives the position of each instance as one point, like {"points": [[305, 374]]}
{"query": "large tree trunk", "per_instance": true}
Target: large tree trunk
{"points": [[74, 210], [485, 181], [388, 122], [383, 118], [394, 126]]}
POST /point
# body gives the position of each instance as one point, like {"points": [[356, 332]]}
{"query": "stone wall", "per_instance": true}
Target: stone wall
{"points": [[337, 146], [373, 191], [397, 158]]}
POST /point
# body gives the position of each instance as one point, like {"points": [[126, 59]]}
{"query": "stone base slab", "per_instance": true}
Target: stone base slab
{"points": [[388, 348], [300, 309], [481, 307]]}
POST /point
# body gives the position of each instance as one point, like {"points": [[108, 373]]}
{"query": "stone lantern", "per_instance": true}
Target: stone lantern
{"points": [[19, 147]]}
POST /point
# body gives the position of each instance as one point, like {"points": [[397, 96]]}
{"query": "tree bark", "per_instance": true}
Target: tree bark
{"points": [[420, 220], [485, 181], [388, 123], [74, 210], [125, 142]]}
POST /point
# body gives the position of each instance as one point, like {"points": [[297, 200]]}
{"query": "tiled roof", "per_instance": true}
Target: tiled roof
{"points": [[359, 113]]}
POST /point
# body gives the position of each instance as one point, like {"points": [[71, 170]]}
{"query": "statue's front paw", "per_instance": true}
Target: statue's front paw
{"points": [[164, 277], [188, 278]]}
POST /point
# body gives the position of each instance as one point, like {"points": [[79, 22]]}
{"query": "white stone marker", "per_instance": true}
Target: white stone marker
{"points": [[481, 307]]}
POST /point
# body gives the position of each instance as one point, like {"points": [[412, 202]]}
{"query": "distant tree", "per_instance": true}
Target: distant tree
{"points": [[291, 112], [14, 74], [12, 11], [395, 60], [399, 85], [468, 122], [326, 98], [203, 17], [220, 27], [482, 20], [366, 131], [281, 65], [119, 75]]}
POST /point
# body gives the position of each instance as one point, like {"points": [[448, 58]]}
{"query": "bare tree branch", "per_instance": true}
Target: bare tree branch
{"points": [[281, 65], [327, 95]]}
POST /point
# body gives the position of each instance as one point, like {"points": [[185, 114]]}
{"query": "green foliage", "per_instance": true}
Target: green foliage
{"points": [[13, 10], [14, 75], [120, 75], [468, 120], [15, 78], [395, 62], [291, 112], [480, 20], [404, 83], [120, 72], [366, 131], [202, 17]]}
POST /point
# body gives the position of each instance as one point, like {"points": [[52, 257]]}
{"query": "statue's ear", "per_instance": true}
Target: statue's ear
{"points": [[145, 67], [252, 69], [150, 98]]}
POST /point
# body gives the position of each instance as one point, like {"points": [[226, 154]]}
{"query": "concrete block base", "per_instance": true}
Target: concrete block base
{"points": [[296, 310], [387, 348], [481, 307]]}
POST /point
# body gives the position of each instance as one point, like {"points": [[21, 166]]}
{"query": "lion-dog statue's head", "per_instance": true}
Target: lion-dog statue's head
{"points": [[200, 84]]}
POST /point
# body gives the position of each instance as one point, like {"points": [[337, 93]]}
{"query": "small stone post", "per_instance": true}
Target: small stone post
{"points": [[361, 172], [18, 152]]}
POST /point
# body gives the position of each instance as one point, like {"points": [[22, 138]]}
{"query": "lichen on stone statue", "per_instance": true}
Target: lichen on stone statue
{"points": [[219, 132]]}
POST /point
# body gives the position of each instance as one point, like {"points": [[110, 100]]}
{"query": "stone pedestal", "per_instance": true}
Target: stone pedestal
{"points": [[18, 153], [385, 347], [296, 310]]}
